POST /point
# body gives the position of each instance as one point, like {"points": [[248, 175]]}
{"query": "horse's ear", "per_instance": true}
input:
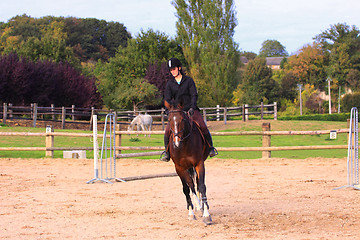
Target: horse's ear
{"points": [[167, 105]]}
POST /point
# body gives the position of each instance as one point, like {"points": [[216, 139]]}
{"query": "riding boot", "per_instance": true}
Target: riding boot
{"points": [[213, 152], [165, 156]]}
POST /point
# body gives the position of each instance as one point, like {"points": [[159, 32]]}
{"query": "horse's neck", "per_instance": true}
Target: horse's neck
{"points": [[195, 130], [188, 128], [192, 138]]}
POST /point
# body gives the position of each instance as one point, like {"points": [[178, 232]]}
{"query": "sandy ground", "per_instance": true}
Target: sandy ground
{"points": [[249, 199]]}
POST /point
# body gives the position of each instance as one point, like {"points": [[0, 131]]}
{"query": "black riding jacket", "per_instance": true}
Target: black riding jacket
{"points": [[184, 93]]}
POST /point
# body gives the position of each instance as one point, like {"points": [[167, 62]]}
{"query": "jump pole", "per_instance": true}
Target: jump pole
{"points": [[96, 152], [110, 166], [353, 153], [144, 177], [105, 165]]}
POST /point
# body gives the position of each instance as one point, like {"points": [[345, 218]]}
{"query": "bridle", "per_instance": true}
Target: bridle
{"points": [[182, 130]]}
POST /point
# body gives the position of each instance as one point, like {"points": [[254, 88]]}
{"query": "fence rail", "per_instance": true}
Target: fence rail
{"points": [[85, 115], [266, 147]]}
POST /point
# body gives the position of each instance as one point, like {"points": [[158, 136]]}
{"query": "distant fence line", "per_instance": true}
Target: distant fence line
{"points": [[266, 147], [84, 115]]}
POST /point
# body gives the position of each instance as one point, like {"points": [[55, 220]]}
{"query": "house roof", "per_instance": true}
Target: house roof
{"points": [[244, 59], [271, 61]]}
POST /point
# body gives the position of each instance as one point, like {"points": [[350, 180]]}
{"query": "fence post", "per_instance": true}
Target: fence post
{"points": [[52, 112], [92, 117], [49, 141], [162, 118], [10, 110], [225, 113], [34, 115], [117, 139], [243, 113], [217, 112], [115, 117], [262, 110], [275, 111], [204, 115], [63, 116], [4, 112], [73, 112], [266, 140], [247, 112], [31, 110]]}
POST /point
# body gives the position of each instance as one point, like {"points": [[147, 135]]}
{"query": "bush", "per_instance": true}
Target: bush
{"points": [[351, 100], [44, 82], [336, 117]]}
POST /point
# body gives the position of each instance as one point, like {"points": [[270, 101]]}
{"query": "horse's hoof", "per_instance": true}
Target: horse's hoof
{"points": [[207, 220], [191, 217]]}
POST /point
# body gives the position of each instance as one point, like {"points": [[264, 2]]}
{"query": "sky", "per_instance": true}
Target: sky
{"points": [[292, 23]]}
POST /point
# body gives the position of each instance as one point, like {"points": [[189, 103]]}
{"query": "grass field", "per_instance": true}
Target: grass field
{"points": [[219, 141]]}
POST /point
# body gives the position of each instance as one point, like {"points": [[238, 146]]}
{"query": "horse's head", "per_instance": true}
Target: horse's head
{"points": [[135, 121], [179, 123]]}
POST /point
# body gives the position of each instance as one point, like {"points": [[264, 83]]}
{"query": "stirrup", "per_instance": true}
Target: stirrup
{"points": [[165, 156], [213, 152]]}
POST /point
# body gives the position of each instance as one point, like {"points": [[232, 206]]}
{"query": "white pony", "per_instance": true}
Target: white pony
{"points": [[144, 122]]}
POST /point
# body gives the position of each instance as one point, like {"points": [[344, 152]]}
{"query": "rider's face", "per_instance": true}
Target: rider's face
{"points": [[175, 71]]}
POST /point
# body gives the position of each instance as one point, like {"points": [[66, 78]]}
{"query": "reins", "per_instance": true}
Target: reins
{"points": [[189, 118], [177, 134], [191, 126]]}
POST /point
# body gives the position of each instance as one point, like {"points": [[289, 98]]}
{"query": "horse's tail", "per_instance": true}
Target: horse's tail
{"points": [[192, 173]]}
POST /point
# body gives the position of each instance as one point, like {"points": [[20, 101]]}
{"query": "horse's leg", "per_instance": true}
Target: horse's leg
{"points": [[137, 129], [187, 185], [146, 129], [149, 129], [195, 194], [198, 192], [143, 128], [200, 169]]}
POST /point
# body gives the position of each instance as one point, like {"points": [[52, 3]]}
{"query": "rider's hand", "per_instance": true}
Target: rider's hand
{"points": [[191, 111]]}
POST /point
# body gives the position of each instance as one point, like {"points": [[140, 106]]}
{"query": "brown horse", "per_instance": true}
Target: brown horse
{"points": [[188, 150]]}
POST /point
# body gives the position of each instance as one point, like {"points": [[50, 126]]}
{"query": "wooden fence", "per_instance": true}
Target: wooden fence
{"points": [[52, 113], [85, 115], [266, 147]]}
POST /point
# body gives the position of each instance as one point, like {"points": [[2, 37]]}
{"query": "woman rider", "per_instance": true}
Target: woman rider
{"points": [[183, 87]]}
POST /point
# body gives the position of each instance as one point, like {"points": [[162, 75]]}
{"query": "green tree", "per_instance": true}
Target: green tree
{"points": [[8, 43], [95, 39], [50, 44], [353, 78], [257, 84], [340, 63], [272, 48], [342, 46], [90, 39], [249, 55], [308, 65], [53, 43], [288, 86], [121, 80], [205, 31], [350, 101], [24, 26]]}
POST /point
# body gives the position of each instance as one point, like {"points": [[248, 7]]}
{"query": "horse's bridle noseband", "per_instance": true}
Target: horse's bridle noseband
{"points": [[177, 134]]}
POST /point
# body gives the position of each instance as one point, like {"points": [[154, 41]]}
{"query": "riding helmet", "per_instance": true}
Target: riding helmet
{"points": [[174, 62]]}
